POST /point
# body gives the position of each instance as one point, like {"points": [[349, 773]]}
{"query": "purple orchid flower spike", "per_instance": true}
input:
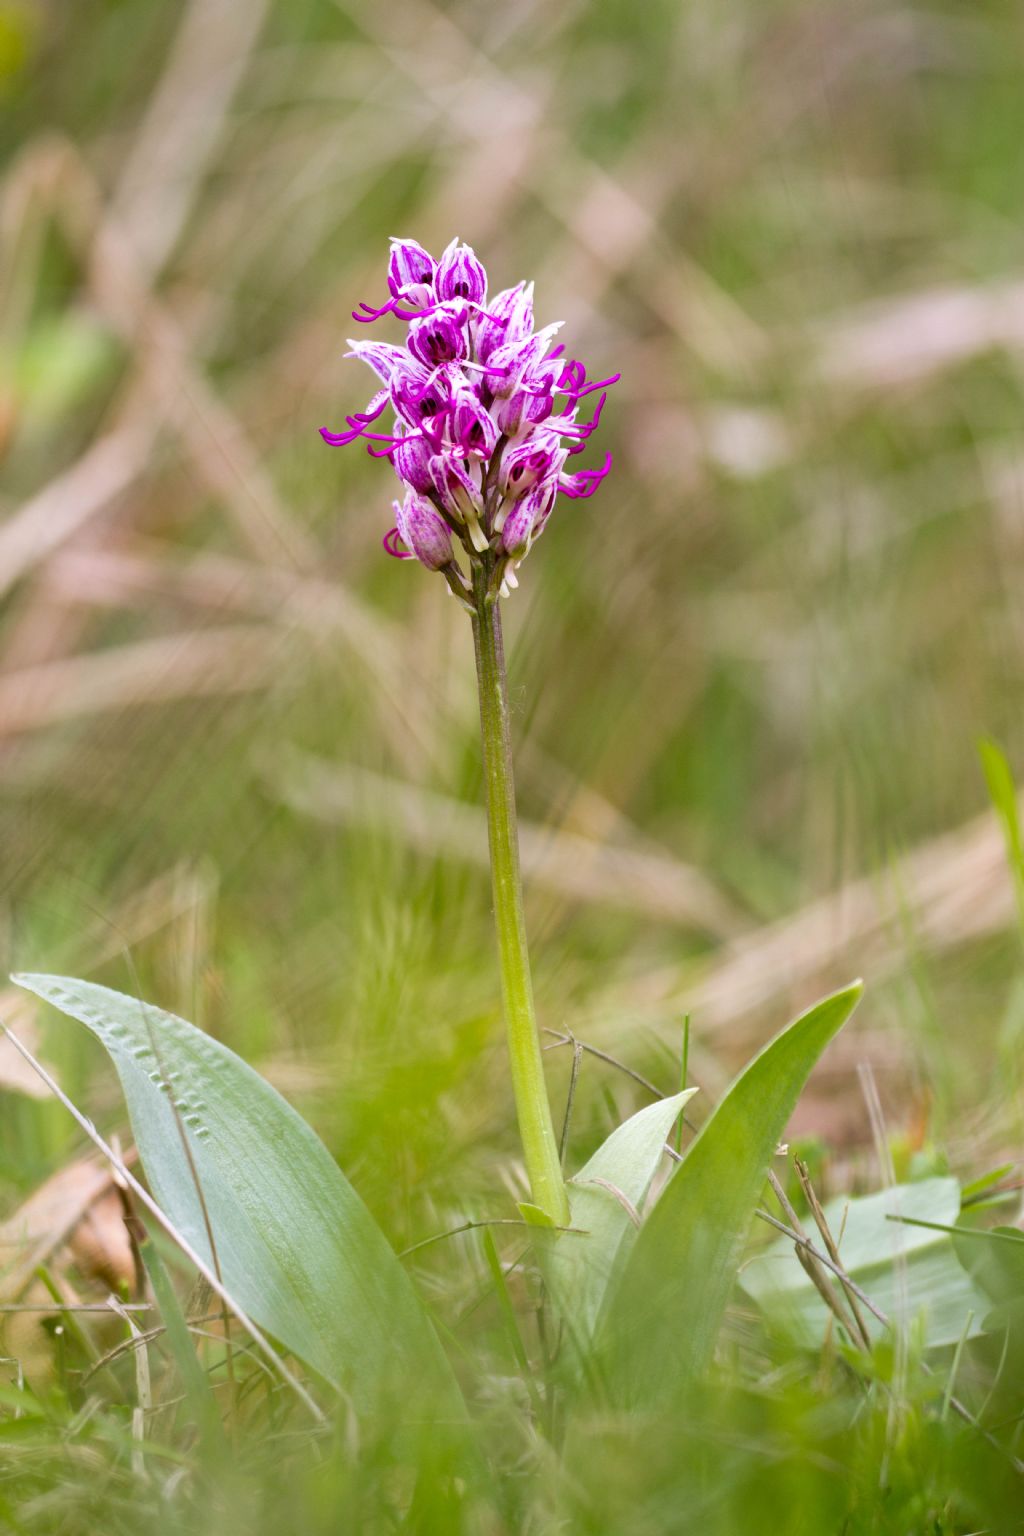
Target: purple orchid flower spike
{"points": [[488, 414]]}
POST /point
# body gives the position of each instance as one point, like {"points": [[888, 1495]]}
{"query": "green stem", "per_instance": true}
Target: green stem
{"points": [[536, 1130]]}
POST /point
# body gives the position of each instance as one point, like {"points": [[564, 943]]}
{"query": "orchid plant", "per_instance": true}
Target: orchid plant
{"points": [[488, 415], [486, 423]]}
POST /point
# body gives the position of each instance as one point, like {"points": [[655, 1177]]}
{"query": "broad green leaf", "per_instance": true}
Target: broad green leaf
{"points": [[994, 1258], [662, 1319], [295, 1245], [605, 1199], [911, 1273]]}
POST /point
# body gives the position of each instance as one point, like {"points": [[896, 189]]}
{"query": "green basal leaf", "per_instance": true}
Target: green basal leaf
{"points": [[294, 1243], [662, 1319], [606, 1198], [910, 1272], [994, 1258]]}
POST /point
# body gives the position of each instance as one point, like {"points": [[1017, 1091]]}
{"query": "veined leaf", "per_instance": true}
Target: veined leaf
{"points": [[605, 1199], [994, 1258], [662, 1319], [909, 1272], [294, 1244]]}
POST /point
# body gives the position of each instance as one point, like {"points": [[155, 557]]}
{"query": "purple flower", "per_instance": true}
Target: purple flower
{"points": [[411, 271], [420, 397], [487, 414], [471, 427], [507, 318], [460, 275], [526, 520], [538, 457], [440, 336], [423, 531], [459, 494], [411, 457]]}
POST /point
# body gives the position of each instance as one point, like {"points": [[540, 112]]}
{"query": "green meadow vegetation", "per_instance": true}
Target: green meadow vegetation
{"points": [[277, 1252]]}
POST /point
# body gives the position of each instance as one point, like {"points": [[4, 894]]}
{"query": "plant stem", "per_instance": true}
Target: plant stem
{"points": [[533, 1111]]}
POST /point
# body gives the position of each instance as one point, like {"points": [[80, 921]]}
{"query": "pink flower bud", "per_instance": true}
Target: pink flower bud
{"points": [[460, 275], [424, 531], [527, 518], [509, 318], [411, 270]]}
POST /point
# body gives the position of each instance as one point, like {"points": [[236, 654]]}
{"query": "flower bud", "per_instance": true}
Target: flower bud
{"points": [[411, 271], [424, 531], [527, 518], [460, 275], [509, 318]]}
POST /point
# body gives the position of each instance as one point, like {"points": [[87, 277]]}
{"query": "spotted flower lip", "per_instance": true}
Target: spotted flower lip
{"points": [[439, 336], [489, 415]]}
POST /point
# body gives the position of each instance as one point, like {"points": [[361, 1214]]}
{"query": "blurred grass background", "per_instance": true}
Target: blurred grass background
{"points": [[239, 745]]}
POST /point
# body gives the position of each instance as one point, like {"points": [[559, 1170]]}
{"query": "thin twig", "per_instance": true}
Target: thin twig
{"points": [[811, 1269], [832, 1247], [563, 1039], [472, 1226], [803, 1241], [80, 1306], [577, 1057]]}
